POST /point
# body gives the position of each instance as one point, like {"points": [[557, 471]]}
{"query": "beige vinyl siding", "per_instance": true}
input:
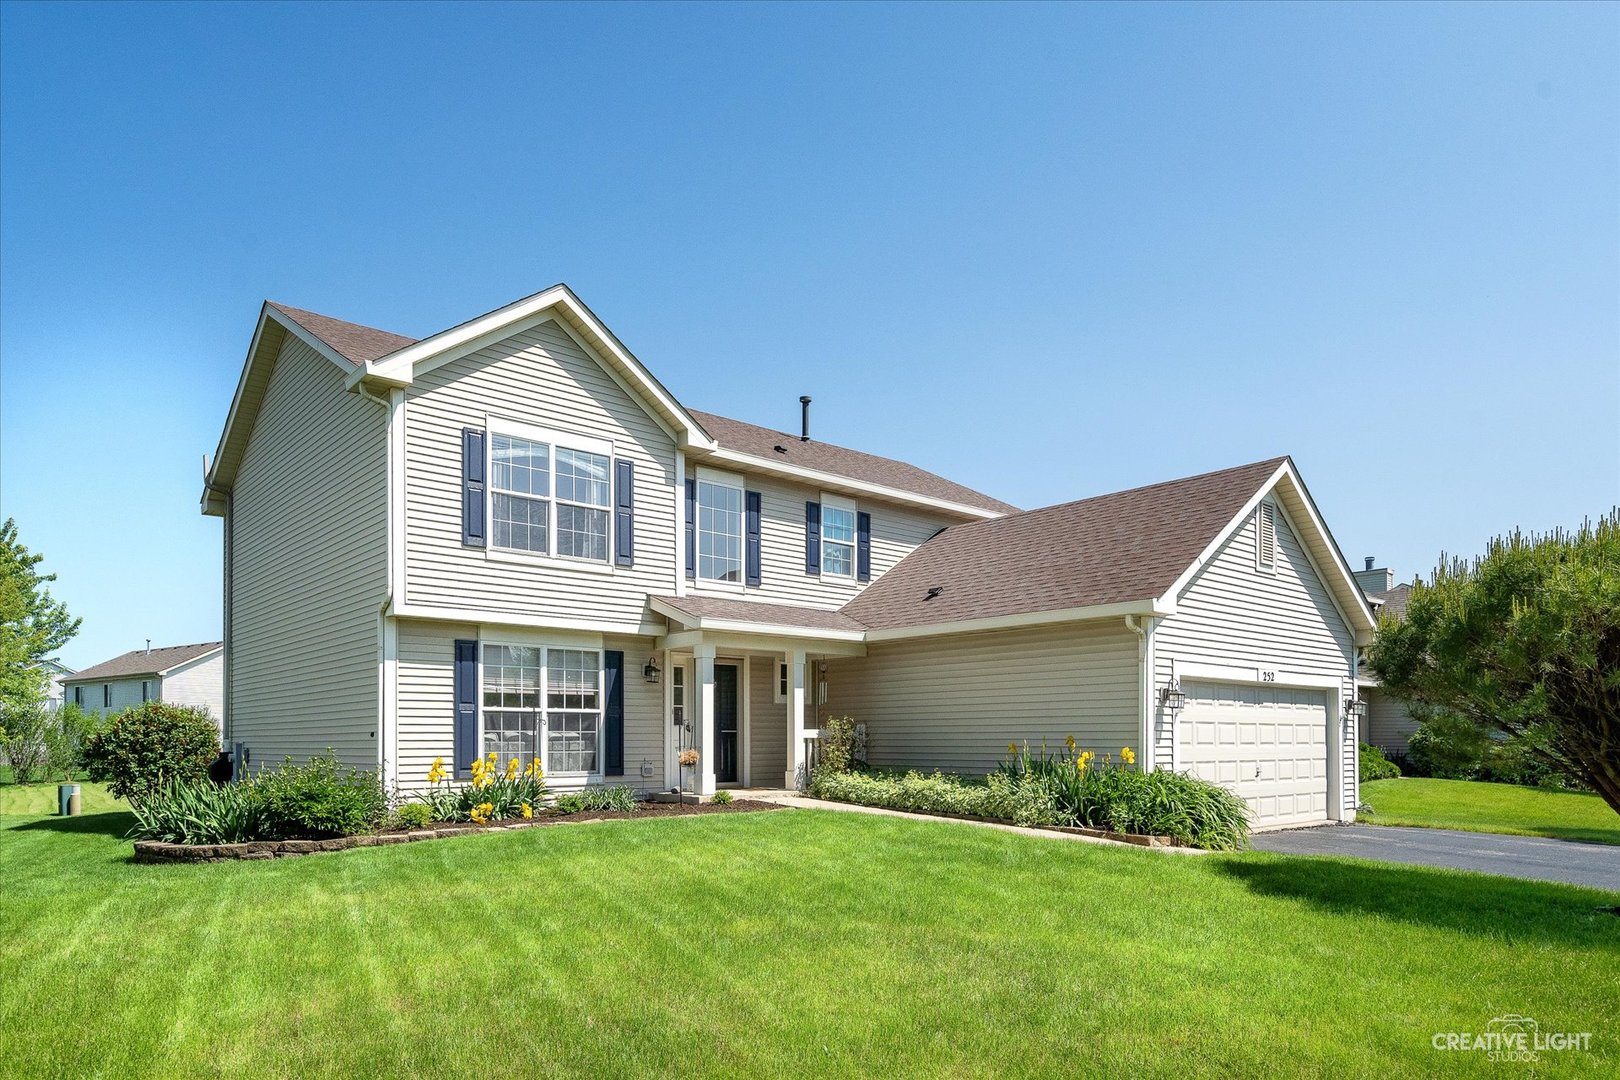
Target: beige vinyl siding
{"points": [[1235, 614], [537, 376], [767, 725], [1389, 724], [201, 683], [896, 532], [309, 567], [125, 692], [955, 702], [426, 675]]}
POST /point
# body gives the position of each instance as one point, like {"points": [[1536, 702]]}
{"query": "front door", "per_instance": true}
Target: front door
{"points": [[727, 755]]}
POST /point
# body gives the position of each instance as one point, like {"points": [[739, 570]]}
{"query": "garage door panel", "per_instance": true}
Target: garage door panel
{"points": [[1266, 743]]}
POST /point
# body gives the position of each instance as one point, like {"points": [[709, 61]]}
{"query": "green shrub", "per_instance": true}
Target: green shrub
{"points": [[935, 793], [611, 797], [150, 746], [721, 798], [413, 815], [837, 744], [1447, 747], [571, 803], [41, 744], [1375, 766], [320, 799], [191, 812]]}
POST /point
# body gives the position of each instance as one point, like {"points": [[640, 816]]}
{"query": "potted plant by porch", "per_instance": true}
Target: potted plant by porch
{"points": [[688, 760]]}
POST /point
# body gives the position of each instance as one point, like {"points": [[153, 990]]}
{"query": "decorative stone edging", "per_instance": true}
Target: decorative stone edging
{"points": [[1139, 839], [156, 851]]}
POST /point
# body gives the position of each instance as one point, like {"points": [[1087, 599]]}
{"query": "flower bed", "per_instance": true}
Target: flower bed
{"points": [[157, 851], [1070, 790]]}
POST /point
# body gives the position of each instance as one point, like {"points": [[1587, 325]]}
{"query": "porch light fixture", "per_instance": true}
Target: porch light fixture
{"points": [[1355, 709], [1171, 696], [650, 672]]}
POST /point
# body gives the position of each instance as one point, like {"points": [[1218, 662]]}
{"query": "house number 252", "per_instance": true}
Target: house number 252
{"points": [[1267, 676]]}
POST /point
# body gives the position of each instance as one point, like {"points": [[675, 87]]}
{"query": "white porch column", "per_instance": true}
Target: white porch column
{"points": [[703, 701], [795, 719]]}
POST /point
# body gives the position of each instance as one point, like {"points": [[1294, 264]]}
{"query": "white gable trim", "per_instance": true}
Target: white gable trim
{"points": [[211, 503], [782, 630], [1341, 584], [193, 662], [400, 367]]}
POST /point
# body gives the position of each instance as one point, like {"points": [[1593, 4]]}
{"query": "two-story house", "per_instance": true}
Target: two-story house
{"points": [[509, 537]]}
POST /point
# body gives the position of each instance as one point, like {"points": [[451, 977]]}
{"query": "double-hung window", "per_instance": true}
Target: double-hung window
{"points": [[719, 530], [543, 702], [549, 494], [837, 537]]}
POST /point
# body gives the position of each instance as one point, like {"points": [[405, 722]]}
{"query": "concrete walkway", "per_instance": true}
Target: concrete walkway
{"points": [[784, 797], [1534, 858]]}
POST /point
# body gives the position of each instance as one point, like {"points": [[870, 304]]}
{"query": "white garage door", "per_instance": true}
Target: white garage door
{"points": [[1266, 743]]}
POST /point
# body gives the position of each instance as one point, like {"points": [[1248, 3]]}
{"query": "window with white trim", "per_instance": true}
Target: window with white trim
{"points": [[540, 700], [837, 537], [719, 530], [782, 683], [677, 695], [1265, 537], [547, 497]]}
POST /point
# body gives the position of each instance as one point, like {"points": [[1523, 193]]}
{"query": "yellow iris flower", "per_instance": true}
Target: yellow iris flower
{"points": [[528, 811], [1127, 755], [512, 769]]}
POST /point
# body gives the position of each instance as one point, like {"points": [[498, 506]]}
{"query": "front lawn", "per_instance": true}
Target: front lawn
{"points": [[794, 943], [1493, 808], [40, 799]]}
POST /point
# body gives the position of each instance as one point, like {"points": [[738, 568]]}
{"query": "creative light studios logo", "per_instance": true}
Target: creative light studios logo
{"points": [[1512, 1038]]}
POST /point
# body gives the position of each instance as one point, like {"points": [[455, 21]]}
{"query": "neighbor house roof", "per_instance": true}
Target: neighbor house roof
{"points": [[1394, 601], [1112, 549], [712, 612], [141, 662], [780, 448]]}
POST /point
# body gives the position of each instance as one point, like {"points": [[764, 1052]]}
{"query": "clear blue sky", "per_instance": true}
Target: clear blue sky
{"points": [[1046, 251]]}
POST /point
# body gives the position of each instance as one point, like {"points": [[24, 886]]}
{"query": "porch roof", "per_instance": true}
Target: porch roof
{"points": [[720, 613]]}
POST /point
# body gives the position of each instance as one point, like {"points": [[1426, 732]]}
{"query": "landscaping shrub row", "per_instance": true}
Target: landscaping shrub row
{"points": [[1375, 766], [1071, 788]]}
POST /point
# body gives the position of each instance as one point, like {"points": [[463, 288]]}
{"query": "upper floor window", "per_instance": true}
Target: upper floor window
{"points": [[719, 530], [837, 537], [547, 497]]}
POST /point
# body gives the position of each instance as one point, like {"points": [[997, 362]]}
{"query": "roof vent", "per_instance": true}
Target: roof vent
{"points": [[780, 449], [804, 419], [935, 591], [1369, 562]]}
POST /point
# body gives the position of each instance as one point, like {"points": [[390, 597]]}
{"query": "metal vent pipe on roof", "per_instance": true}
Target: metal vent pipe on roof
{"points": [[1369, 562], [804, 419]]}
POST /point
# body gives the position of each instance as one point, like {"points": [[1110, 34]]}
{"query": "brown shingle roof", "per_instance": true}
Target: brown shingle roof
{"points": [[714, 607], [355, 343], [761, 442], [143, 662], [359, 344], [1395, 601], [1128, 546]]}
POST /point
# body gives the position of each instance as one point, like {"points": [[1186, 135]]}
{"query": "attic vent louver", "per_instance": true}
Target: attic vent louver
{"points": [[935, 591]]}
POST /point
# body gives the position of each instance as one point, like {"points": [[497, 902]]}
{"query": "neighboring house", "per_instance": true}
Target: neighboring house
{"points": [[509, 537], [55, 693], [178, 674], [1389, 723]]}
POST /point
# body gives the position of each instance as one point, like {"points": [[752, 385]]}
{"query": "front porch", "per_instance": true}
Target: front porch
{"points": [[744, 694]]}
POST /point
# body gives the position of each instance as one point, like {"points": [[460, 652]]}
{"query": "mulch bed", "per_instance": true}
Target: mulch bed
{"points": [[155, 851]]}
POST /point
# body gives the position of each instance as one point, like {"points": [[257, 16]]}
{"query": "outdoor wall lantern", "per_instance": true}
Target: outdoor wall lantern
{"points": [[650, 672], [1171, 696], [1355, 709]]}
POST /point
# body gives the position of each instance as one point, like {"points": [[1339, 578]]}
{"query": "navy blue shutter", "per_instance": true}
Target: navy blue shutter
{"points": [[751, 559], [863, 547], [812, 538], [624, 513], [691, 528], [466, 722], [613, 719], [472, 486]]}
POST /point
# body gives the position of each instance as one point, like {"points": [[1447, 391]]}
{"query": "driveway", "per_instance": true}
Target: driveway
{"points": [[1533, 857]]}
